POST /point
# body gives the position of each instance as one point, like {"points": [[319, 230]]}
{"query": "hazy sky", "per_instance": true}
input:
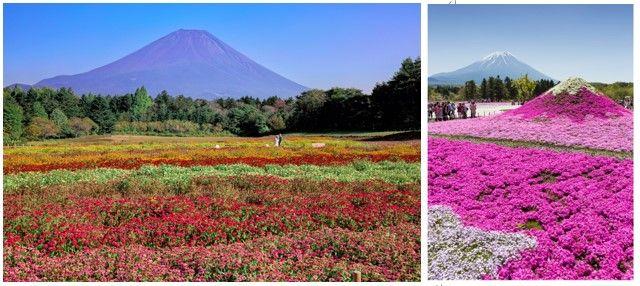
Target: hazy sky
{"points": [[316, 45], [591, 41]]}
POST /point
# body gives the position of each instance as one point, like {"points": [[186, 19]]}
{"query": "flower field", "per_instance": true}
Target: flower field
{"points": [[251, 152], [582, 119], [194, 211], [513, 212]]}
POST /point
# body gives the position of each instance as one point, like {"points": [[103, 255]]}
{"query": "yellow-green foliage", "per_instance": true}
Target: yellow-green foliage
{"points": [[392, 172]]}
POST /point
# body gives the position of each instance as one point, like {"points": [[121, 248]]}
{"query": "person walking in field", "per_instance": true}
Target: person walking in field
{"points": [[430, 109], [465, 108], [462, 110], [452, 110], [277, 141], [279, 138], [438, 110], [473, 109], [445, 111]]}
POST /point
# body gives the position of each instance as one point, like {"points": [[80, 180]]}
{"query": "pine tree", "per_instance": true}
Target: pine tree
{"points": [[470, 90], [101, 114], [500, 90], [69, 102], [38, 111], [484, 92], [511, 92], [141, 104], [12, 120]]}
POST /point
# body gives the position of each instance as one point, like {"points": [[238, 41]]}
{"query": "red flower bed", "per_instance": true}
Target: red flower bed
{"points": [[388, 253], [178, 221], [317, 159], [76, 227]]}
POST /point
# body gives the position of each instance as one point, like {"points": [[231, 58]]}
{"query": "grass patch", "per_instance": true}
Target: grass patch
{"points": [[547, 177], [537, 145], [531, 224]]}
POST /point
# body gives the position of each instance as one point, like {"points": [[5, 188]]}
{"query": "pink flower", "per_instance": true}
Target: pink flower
{"points": [[579, 207]]}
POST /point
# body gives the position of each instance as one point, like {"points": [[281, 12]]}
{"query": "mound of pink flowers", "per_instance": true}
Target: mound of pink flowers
{"points": [[584, 103], [578, 207], [570, 114]]}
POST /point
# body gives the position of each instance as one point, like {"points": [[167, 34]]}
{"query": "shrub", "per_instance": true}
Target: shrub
{"points": [[41, 128], [82, 126]]}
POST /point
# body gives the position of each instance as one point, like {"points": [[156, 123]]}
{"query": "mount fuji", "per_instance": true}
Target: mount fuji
{"points": [[501, 64], [188, 62]]}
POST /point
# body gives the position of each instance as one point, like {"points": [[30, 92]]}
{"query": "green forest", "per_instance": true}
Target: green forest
{"points": [[43, 113], [521, 90]]}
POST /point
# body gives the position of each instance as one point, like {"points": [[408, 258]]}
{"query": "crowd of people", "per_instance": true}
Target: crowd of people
{"points": [[447, 110], [627, 102]]}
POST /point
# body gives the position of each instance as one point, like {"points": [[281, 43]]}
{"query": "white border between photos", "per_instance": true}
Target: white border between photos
{"points": [[424, 145], [636, 136]]}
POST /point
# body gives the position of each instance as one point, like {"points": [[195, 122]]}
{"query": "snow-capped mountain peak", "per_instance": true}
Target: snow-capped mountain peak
{"points": [[502, 64], [495, 55], [498, 58]]}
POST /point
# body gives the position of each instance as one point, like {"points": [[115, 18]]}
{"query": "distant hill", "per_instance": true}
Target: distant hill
{"points": [[20, 85], [501, 64], [189, 62]]}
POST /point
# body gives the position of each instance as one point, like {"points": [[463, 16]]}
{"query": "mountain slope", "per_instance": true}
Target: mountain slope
{"points": [[19, 85], [189, 62], [501, 64]]}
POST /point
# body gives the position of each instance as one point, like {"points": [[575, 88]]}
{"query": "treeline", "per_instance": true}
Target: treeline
{"points": [[618, 90], [40, 113], [521, 90], [492, 89]]}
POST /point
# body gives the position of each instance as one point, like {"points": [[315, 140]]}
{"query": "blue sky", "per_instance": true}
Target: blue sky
{"points": [[316, 45], [591, 41]]}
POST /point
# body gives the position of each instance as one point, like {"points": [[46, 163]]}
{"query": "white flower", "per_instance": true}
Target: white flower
{"points": [[571, 86], [464, 253]]}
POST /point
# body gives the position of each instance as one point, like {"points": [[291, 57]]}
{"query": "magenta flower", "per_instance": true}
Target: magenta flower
{"points": [[578, 207]]}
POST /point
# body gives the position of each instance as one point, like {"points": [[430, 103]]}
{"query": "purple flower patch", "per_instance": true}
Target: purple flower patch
{"points": [[578, 207], [576, 106]]}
